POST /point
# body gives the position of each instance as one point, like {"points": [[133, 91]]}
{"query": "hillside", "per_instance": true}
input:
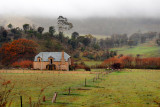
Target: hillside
{"points": [[148, 49]]}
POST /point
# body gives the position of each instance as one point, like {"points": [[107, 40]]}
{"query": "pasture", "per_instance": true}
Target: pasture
{"points": [[145, 50], [90, 63], [121, 88]]}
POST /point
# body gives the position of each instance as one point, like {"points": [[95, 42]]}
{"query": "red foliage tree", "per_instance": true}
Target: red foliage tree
{"points": [[152, 63], [18, 50], [23, 64], [109, 62], [126, 61], [131, 62]]}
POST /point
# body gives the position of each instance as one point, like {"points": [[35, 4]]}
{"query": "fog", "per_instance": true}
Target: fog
{"points": [[99, 17], [81, 8]]}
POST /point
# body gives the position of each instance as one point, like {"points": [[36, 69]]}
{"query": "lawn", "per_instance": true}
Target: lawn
{"points": [[121, 88]]}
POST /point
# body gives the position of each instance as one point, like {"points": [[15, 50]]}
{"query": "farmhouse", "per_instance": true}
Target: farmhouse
{"points": [[52, 61]]}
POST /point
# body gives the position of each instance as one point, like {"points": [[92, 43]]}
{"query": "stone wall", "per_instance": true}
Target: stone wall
{"points": [[59, 66]]}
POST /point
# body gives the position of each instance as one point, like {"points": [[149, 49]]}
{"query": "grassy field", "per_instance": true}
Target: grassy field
{"points": [[122, 88], [145, 50], [95, 70], [90, 63]]}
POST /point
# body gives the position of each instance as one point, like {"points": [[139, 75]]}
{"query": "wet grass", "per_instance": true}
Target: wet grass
{"points": [[143, 50], [124, 88]]}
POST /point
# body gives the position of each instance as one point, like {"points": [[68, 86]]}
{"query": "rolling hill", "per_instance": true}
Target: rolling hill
{"points": [[148, 49]]}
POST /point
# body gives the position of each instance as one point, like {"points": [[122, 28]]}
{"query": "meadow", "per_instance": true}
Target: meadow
{"points": [[148, 49], [90, 63], [121, 88]]}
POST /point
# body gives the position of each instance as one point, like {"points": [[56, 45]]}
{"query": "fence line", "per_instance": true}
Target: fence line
{"points": [[51, 72]]}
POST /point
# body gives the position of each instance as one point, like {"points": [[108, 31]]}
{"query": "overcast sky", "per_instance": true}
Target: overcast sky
{"points": [[81, 8]]}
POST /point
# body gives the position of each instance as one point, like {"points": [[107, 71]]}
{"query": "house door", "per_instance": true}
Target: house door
{"points": [[51, 67], [51, 61]]}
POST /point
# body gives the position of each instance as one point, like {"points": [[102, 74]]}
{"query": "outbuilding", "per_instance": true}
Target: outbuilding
{"points": [[52, 61]]}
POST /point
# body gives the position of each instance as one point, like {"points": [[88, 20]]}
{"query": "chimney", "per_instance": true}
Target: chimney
{"points": [[62, 59], [62, 54]]}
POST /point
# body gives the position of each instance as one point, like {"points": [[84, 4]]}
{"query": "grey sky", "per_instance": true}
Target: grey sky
{"points": [[81, 8]]}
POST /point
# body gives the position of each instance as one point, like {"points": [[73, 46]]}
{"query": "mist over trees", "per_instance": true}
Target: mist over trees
{"points": [[105, 26]]}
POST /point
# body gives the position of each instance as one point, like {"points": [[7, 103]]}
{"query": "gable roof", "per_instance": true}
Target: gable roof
{"points": [[56, 55]]}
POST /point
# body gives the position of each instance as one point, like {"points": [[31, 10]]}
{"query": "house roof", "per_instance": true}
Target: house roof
{"points": [[56, 55]]}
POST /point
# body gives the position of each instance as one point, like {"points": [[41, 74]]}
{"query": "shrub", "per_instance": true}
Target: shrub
{"points": [[131, 62], [109, 62], [116, 66], [76, 55], [5, 93], [23, 64], [71, 67], [87, 68], [126, 61]]}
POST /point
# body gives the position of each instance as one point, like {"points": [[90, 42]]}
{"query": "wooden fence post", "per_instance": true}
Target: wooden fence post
{"points": [[69, 90], [54, 97], [44, 99], [21, 100], [30, 101], [93, 79]]}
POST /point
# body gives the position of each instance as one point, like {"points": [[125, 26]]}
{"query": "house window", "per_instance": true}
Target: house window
{"points": [[50, 60], [39, 59]]}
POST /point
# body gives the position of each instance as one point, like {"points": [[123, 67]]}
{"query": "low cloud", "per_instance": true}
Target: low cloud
{"points": [[81, 8]]}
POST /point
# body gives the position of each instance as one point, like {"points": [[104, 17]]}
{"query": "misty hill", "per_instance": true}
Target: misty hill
{"points": [[94, 26]]}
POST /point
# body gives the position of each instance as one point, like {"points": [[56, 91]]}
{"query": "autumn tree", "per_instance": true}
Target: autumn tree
{"points": [[18, 50], [127, 61]]}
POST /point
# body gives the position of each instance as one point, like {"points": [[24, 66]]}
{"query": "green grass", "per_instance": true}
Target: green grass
{"points": [[124, 88], [127, 88], [90, 63], [144, 50], [95, 70], [30, 85]]}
